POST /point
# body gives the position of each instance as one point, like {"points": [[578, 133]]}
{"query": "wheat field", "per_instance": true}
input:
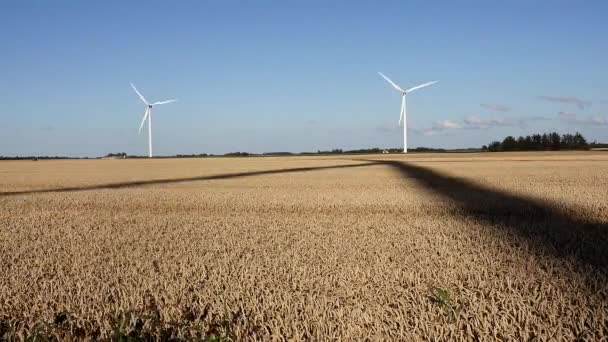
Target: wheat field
{"points": [[509, 246]]}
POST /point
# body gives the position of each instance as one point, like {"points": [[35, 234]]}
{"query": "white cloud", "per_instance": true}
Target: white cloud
{"points": [[476, 122], [496, 107], [567, 116], [574, 118], [439, 127], [446, 124], [389, 128], [567, 99], [430, 132]]}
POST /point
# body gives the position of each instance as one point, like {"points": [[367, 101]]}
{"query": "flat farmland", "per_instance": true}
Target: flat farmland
{"points": [[509, 246]]}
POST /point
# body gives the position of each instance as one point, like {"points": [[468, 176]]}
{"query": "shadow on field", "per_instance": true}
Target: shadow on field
{"points": [[181, 180], [548, 228]]}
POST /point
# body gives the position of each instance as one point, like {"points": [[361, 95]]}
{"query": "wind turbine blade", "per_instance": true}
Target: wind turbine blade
{"points": [[391, 82], [421, 86], [140, 95], [163, 102], [402, 110], [144, 119]]}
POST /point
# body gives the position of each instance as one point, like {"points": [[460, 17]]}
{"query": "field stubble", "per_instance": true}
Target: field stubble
{"points": [[344, 253]]}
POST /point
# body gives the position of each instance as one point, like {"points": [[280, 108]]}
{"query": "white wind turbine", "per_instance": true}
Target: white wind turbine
{"points": [[148, 115], [403, 114]]}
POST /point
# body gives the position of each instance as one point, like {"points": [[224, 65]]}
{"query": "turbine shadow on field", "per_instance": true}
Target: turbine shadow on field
{"points": [[549, 229], [181, 180]]}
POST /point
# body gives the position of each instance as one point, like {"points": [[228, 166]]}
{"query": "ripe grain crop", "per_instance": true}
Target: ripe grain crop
{"points": [[428, 246]]}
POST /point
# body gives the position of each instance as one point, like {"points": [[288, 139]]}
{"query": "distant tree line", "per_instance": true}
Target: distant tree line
{"points": [[116, 155], [374, 150], [380, 150], [279, 153], [200, 155], [595, 144], [37, 157], [238, 154], [537, 142], [421, 149]]}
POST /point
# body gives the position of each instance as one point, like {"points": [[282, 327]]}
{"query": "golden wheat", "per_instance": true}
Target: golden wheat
{"points": [[440, 247]]}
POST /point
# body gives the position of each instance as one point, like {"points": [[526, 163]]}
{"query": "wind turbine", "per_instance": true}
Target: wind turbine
{"points": [[148, 115], [403, 114]]}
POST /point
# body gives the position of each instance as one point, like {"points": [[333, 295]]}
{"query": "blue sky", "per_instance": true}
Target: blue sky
{"points": [[264, 76]]}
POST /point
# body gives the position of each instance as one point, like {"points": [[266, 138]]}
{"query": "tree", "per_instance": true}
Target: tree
{"points": [[118, 155], [555, 141], [548, 141], [537, 142], [495, 146], [526, 143], [580, 142], [521, 144], [509, 144]]}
